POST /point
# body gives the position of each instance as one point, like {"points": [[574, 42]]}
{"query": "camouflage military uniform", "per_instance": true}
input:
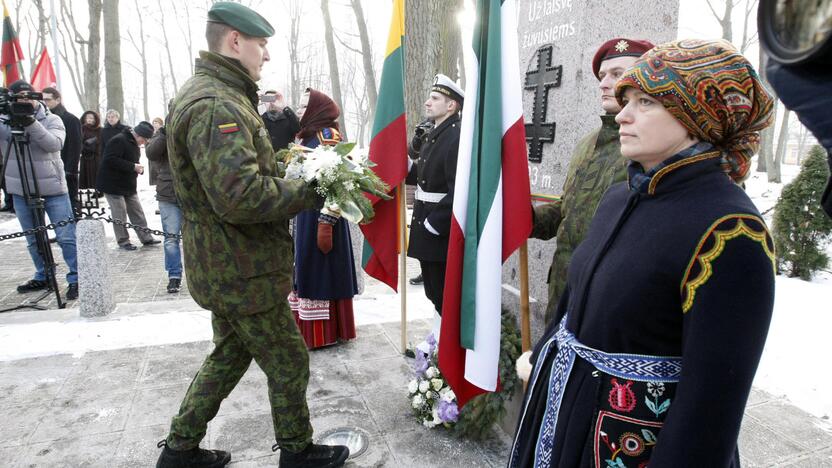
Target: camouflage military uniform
{"points": [[238, 251], [596, 164]]}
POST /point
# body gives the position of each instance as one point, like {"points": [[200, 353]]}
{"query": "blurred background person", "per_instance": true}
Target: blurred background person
{"points": [[117, 181], [112, 127], [90, 149], [281, 121], [71, 151]]}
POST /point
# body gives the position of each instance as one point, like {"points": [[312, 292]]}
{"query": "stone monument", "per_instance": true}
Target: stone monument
{"points": [[557, 41]]}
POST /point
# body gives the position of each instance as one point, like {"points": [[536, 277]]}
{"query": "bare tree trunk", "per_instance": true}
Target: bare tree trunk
{"points": [[802, 137], [167, 50], [750, 7], [333, 66], [139, 45], [367, 55], [295, 10], [725, 19], [766, 154], [782, 141], [92, 71], [186, 33], [450, 60], [112, 57], [423, 48], [164, 83]]}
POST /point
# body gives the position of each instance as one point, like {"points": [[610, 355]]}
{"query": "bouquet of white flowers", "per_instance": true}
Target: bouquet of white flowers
{"points": [[341, 173], [431, 398]]}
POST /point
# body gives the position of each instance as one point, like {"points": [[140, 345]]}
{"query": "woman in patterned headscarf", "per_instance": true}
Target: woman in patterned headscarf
{"points": [[325, 278], [670, 296]]}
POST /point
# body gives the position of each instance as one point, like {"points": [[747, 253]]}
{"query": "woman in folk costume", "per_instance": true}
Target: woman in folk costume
{"points": [[325, 280], [669, 298]]}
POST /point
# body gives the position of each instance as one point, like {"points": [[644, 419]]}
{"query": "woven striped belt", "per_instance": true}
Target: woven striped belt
{"points": [[626, 366], [429, 197]]}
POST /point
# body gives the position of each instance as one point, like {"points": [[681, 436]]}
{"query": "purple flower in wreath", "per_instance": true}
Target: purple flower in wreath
{"points": [[431, 341], [448, 411], [420, 364]]}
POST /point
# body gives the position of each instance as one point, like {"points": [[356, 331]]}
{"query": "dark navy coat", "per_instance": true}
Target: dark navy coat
{"points": [[317, 275], [683, 267], [434, 172]]}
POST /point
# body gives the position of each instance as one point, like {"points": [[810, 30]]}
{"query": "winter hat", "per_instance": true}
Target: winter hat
{"points": [[712, 90], [21, 86], [143, 129]]}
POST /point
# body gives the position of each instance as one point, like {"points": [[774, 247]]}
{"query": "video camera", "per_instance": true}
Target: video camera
{"points": [[797, 37], [19, 113]]}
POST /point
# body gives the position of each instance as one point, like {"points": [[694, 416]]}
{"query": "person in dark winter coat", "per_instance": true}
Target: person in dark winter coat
{"points": [[71, 151], [156, 151], [325, 279], [281, 121], [112, 127], [656, 340], [90, 149], [434, 175], [117, 181]]}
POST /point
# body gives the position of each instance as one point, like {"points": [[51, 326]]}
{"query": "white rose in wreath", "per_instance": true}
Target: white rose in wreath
{"points": [[413, 386], [418, 401], [424, 386], [437, 384]]}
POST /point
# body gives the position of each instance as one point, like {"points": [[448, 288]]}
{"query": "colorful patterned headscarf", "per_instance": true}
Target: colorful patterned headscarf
{"points": [[712, 90]]}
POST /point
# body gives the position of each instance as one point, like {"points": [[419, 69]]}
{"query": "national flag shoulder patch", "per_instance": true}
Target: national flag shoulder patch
{"points": [[228, 128]]}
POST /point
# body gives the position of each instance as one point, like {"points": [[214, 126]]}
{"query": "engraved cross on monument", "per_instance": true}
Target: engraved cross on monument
{"points": [[541, 80]]}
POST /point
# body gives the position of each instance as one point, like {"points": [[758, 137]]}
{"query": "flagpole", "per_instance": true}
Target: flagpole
{"points": [[403, 265], [525, 325]]}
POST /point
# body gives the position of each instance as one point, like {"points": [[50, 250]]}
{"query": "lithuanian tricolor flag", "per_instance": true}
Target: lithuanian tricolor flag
{"points": [[12, 55], [388, 149], [491, 214]]}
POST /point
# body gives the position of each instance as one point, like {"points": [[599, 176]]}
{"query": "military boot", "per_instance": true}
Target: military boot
{"points": [[193, 458], [314, 456]]}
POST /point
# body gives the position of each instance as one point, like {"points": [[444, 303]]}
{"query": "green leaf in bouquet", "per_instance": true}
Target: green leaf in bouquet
{"points": [[344, 149], [350, 211]]}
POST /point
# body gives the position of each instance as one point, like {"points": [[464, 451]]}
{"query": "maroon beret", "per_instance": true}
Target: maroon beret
{"points": [[619, 47]]}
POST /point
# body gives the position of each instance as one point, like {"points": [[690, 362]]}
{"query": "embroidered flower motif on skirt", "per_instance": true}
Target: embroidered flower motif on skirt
{"points": [[622, 397]]}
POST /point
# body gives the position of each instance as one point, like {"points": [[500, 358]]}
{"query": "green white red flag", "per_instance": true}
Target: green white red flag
{"points": [[492, 211]]}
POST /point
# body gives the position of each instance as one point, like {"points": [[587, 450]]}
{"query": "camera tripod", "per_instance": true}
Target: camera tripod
{"points": [[36, 203]]}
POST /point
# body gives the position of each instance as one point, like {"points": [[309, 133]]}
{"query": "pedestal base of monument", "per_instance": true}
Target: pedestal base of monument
{"points": [[94, 281]]}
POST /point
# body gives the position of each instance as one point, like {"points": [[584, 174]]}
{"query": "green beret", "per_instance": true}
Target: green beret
{"points": [[241, 18]]}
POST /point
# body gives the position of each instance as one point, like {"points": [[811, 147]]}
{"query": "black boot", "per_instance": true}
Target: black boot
{"points": [[193, 458], [314, 456]]}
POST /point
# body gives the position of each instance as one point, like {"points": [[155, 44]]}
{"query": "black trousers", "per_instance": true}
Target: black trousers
{"points": [[434, 275]]}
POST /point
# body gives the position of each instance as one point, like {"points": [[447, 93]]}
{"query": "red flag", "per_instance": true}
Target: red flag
{"points": [[12, 55], [44, 74]]}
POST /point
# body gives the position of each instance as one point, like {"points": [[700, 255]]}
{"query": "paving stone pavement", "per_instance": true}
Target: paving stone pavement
{"points": [[109, 408]]}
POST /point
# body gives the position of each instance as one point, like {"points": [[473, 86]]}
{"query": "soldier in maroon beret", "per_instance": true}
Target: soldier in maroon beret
{"points": [[596, 164]]}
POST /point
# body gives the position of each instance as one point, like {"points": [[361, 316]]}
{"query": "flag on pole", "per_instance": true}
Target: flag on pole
{"points": [[44, 74], [492, 210], [388, 149], [12, 55]]}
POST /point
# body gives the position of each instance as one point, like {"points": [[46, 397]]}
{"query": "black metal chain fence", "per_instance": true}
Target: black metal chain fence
{"points": [[89, 210]]}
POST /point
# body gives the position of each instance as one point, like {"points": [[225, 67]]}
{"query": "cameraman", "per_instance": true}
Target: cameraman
{"points": [[46, 133]]}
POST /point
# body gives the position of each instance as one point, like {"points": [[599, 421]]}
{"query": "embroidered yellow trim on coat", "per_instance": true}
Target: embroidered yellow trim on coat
{"points": [[684, 162], [336, 137], [688, 288]]}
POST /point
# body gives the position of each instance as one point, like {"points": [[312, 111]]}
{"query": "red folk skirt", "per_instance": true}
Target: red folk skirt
{"points": [[339, 326]]}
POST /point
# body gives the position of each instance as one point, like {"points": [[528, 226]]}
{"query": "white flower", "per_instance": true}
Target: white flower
{"points": [[413, 386], [447, 394], [294, 170], [431, 372], [437, 384], [424, 386], [428, 424], [418, 401]]}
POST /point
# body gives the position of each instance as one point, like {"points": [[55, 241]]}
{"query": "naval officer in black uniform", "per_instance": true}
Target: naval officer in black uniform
{"points": [[434, 174]]}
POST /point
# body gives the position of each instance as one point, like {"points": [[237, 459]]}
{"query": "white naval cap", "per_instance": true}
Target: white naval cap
{"points": [[444, 85]]}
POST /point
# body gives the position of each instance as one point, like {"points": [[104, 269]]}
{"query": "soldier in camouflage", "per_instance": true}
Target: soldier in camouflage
{"points": [[595, 165], [238, 251]]}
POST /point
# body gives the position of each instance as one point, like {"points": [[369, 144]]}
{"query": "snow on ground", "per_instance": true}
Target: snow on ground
{"points": [[794, 362]]}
